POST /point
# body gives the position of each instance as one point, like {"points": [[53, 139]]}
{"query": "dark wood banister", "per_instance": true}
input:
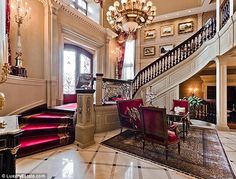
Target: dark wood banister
{"points": [[207, 32]]}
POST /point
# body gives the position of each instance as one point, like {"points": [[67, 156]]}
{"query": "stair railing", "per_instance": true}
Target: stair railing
{"points": [[224, 12], [175, 56]]}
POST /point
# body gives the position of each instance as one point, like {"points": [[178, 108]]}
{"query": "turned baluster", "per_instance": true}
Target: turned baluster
{"points": [[157, 68], [153, 73], [144, 77], [192, 46], [173, 54], [179, 54], [188, 49], [140, 79], [163, 65], [165, 62], [168, 63], [160, 66], [196, 42], [185, 51]]}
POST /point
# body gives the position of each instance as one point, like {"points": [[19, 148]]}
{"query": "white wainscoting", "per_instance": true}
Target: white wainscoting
{"points": [[22, 94]]}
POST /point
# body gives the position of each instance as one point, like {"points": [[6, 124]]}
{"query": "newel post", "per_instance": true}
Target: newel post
{"points": [[99, 84], [85, 128]]}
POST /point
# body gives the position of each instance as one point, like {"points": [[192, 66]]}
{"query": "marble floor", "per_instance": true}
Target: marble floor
{"points": [[101, 162]]}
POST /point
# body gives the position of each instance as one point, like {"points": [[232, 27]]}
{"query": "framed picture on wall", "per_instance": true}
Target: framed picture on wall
{"points": [[150, 34], [165, 49], [167, 30], [149, 51], [185, 27]]}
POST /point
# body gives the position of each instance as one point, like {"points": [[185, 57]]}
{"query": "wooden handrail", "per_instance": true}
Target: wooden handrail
{"points": [[175, 56]]}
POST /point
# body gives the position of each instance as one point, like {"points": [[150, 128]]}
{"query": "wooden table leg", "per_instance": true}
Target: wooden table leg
{"points": [[183, 130]]}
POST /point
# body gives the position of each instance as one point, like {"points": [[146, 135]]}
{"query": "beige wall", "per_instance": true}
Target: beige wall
{"points": [[194, 82], [207, 15], [32, 40], [159, 41]]}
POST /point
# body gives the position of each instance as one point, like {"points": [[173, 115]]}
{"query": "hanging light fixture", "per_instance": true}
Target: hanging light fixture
{"points": [[130, 15]]}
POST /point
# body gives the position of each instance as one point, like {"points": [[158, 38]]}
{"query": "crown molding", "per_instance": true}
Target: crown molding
{"points": [[65, 6]]}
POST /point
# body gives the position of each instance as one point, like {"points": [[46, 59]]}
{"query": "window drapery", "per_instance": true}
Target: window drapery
{"points": [[129, 57]]}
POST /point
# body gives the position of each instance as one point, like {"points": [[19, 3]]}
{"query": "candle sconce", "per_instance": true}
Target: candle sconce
{"points": [[22, 13]]}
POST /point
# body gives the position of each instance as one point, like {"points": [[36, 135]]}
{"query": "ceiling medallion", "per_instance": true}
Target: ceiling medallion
{"points": [[130, 15]]}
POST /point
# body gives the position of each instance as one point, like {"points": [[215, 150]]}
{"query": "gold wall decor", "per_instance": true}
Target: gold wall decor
{"points": [[149, 51], [167, 30], [185, 27], [150, 34]]}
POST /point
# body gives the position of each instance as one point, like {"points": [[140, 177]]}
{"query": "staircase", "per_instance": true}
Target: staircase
{"points": [[176, 66], [45, 130]]}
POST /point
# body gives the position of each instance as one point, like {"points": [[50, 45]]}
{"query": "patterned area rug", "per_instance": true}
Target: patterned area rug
{"points": [[201, 155]]}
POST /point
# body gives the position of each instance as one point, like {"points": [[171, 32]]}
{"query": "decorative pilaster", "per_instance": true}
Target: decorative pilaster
{"points": [[52, 62], [84, 132], [107, 61], [221, 94]]}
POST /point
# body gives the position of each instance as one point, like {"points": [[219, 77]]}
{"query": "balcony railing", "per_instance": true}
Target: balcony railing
{"points": [[204, 112]]}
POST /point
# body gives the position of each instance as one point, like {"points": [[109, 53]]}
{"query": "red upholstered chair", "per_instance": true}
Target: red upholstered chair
{"points": [[186, 119], [155, 128], [126, 120], [181, 103]]}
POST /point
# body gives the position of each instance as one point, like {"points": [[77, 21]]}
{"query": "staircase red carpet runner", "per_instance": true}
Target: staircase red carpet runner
{"points": [[46, 130]]}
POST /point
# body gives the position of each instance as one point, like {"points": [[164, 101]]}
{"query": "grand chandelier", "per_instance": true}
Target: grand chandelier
{"points": [[130, 15]]}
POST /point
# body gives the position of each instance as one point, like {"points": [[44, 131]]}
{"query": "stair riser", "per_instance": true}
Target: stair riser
{"points": [[30, 133], [44, 120]]}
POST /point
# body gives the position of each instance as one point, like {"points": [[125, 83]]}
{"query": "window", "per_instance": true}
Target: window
{"points": [[76, 61], [85, 64], [80, 5], [128, 65], [69, 72]]}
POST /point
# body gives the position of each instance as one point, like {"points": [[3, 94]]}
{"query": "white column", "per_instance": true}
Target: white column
{"points": [[221, 94], [231, 2]]}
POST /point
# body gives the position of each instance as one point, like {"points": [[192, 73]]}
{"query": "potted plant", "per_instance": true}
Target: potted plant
{"points": [[194, 103]]}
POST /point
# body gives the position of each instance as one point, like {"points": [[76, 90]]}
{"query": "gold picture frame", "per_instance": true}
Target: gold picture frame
{"points": [[185, 27], [165, 49], [150, 34], [149, 51], [167, 30]]}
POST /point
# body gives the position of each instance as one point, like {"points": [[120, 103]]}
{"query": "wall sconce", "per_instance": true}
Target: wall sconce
{"points": [[193, 90]]}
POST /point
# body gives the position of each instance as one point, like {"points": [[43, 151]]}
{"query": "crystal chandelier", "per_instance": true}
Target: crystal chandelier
{"points": [[130, 15]]}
